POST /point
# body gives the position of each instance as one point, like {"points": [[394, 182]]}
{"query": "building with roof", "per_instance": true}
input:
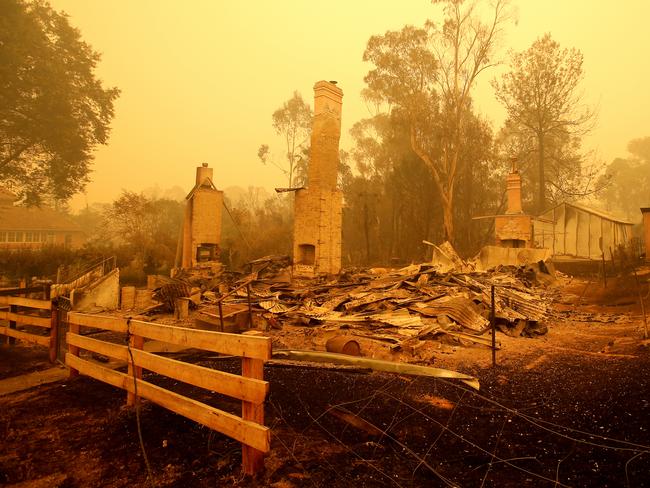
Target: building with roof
{"points": [[572, 231], [35, 227]]}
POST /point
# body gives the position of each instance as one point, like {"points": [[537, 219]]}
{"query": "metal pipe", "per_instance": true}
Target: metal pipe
{"points": [[226, 295], [494, 331], [221, 315], [250, 307]]}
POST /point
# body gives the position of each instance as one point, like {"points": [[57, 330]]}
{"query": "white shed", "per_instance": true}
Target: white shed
{"points": [[570, 230]]}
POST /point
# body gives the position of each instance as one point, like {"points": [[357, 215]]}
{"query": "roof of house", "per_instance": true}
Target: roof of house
{"points": [[593, 211], [35, 218]]}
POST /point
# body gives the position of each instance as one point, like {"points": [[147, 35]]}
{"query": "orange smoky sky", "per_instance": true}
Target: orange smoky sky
{"points": [[200, 79]]}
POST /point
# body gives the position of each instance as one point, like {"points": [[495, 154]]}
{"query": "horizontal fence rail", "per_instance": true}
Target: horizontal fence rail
{"points": [[250, 387], [26, 302], [21, 291], [12, 309]]}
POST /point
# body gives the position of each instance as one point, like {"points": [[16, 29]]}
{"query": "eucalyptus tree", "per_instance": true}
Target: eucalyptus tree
{"points": [[430, 73]]}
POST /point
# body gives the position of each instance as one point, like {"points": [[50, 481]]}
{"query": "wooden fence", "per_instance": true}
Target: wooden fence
{"points": [[12, 309], [250, 387]]}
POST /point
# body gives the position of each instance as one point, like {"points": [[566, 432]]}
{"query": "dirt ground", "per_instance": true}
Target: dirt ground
{"points": [[15, 361], [567, 409]]}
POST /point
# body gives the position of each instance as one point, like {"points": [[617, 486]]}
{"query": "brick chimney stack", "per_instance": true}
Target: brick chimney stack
{"points": [[513, 186], [203, 172], [318, 209], [326, 132]]}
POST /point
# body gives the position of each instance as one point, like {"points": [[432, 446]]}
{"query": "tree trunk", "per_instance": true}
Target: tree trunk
{"points": [[541, 197], [366, 231], [448, 218], [446, 191]]}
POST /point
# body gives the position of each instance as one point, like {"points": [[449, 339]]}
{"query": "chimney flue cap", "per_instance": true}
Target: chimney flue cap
{"points": [[205, 165]]}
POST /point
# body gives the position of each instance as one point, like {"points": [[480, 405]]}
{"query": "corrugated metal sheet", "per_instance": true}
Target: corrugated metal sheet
{"points": [[396, 318], [460, 309], [274, 306], [531, 306]]}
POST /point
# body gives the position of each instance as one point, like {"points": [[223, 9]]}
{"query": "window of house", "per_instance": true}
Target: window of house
{"points": [[20, 236], [3, 236], [43, 236], [50, 237], [28, 236], [11, 236], [68, 240]]}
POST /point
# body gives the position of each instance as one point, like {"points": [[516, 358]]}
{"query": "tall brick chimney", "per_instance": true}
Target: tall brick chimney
{"points": [[319, 207], [325, 135]]}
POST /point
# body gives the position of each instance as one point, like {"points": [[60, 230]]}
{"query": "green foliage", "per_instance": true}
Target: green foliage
{"points": [[91, 221], [425, 161], [292, 121], [43, 263], [426, 77], [26, 263], [145, 228], [53, 109], [392, 204], [255, 225], [404, 69], [627, 180]]}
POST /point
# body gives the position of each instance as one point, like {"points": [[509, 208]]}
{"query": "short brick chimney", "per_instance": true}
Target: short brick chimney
{"points": [[513, 188]]}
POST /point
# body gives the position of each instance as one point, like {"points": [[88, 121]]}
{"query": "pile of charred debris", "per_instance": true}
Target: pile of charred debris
{"points": [[447, 301]]}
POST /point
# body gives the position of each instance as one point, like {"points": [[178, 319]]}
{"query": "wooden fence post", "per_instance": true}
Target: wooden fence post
{"points": [[73, 350], [181, 308], [252, 459], [54, 331], [12, 324], [135, 342]]}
